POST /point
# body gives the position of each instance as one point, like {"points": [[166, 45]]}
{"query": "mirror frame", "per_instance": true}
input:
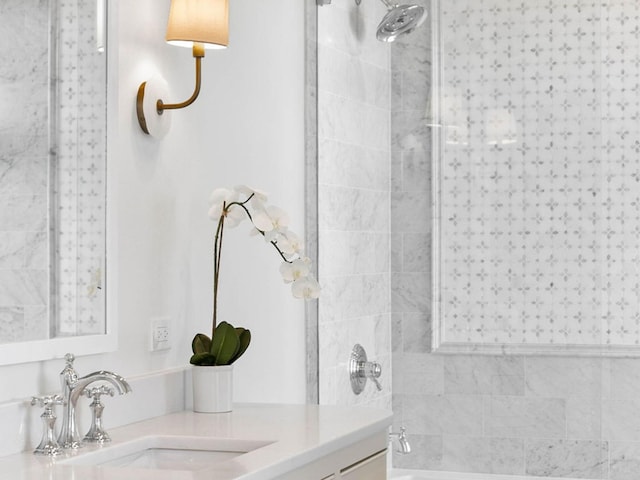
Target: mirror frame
{"points": [[55, 348]]}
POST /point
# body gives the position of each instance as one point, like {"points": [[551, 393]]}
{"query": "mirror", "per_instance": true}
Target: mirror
{"points": [[52, 178]]}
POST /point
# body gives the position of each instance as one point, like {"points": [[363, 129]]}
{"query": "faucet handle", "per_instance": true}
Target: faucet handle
{"points": [[97, 392], [48, 445], [47, 401], [70, 358]]}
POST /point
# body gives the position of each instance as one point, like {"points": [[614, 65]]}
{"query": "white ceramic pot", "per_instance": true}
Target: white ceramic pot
{"points": [[212, 388]]}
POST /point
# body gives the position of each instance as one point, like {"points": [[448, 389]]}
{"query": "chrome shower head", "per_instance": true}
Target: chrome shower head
{"points": [[400, 20]]}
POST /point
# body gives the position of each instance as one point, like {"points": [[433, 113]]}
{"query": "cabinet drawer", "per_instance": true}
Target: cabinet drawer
{"points": [[371, 468]]}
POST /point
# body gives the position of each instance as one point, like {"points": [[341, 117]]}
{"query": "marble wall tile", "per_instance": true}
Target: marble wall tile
{"points": [[36, 322], [624, 378], [416, 333], [354, 252], [624, 460], [482, 455], [36, 250], [353, 296], [584, 417], [426, 453], [583, 459], [418, 374], [416, 253], [348, 77], [410, 212], [416, 169], [473, 375], [521, 417], [364, 212], [410, 293], [564, 376], [351, 165], [620, 421], [443, 414]]}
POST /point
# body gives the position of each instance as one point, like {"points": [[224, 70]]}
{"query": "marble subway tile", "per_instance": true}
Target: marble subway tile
{"points": [[564, 376], [410, 212], [416, 333], [416, 170], [350, 165], [486, 375], [620, 419], [624, 378], [584, 459], [624, 460], [349, 121], [410, 129], [443, 414], [426, 453], [36, 250], [410, 293], [351, 253], [418, 374], [36, 323], [416, 253], [350, 209], [483, 455], [352, 296], [349, 77], [521, 417], [584, 417]]}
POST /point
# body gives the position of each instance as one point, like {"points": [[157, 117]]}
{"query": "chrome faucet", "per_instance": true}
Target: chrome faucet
{"points": [[404, 447], [72, 388]]}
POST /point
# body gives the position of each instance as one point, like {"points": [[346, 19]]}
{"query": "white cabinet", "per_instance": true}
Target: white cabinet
{"points": [[364, 460]]}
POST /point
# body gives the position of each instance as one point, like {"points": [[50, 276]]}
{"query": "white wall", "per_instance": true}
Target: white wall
{"points": [[247, 127]]}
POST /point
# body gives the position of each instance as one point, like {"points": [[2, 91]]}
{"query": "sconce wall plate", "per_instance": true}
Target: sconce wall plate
{"points": [[152, 123]]}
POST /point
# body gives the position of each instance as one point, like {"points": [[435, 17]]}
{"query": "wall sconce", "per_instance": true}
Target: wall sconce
{"points": [[198, 24]]}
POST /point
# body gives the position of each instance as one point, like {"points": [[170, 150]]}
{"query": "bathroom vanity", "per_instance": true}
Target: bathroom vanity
{"points": [[253, 442]]}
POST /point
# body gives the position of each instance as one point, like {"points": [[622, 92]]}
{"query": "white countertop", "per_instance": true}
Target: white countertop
{"points": [[298, 434]]}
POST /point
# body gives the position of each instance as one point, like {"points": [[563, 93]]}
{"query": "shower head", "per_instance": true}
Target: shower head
{"points": [[400, 20]]}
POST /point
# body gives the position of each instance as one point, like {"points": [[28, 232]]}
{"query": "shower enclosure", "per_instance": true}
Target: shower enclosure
{"points": [[497, 220]]}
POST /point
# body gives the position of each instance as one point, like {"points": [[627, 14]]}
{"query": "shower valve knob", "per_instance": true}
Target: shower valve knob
{"points": [[360, 370]]}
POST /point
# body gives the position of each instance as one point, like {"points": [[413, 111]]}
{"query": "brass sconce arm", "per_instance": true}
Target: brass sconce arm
{"points": [[198, 54]]}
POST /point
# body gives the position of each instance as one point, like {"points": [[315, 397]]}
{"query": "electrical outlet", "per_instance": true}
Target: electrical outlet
{"points": [[160, 334]]}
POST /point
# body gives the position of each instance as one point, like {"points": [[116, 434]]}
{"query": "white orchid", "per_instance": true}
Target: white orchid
{"points": [[220, 200], [230, 206], [305, 287], [296, 269]]}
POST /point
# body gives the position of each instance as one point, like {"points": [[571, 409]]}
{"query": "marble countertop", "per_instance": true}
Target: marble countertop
{"points": [[294, 436]]}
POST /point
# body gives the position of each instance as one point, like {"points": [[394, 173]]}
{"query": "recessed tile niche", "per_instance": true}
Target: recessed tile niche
{"points": [[536, 128]]}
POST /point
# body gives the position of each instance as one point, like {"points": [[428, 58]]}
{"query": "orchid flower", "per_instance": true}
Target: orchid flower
{"points": [[230, 206]]}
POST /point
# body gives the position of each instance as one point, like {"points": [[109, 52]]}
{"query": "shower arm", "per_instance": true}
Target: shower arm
{"points": [[388, 4]]}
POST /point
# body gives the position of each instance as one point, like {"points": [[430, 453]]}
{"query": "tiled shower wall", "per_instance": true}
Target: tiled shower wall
{"points": [[536, 415], [72, 159], [353, 199]]}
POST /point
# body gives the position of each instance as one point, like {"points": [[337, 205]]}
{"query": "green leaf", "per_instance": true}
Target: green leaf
{"points": [[201, 343], [244, 336], [203, 359], [225, 343]]}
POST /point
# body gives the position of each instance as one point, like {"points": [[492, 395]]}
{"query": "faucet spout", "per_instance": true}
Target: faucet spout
{"points": [[72, 388]]}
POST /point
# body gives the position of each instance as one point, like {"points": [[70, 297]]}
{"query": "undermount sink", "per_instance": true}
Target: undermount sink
{"points": [[166, 452]]}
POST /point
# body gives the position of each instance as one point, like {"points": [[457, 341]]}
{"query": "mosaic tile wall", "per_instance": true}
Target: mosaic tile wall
{"points": [[539, 203], [26, 172], [568, 417]]}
